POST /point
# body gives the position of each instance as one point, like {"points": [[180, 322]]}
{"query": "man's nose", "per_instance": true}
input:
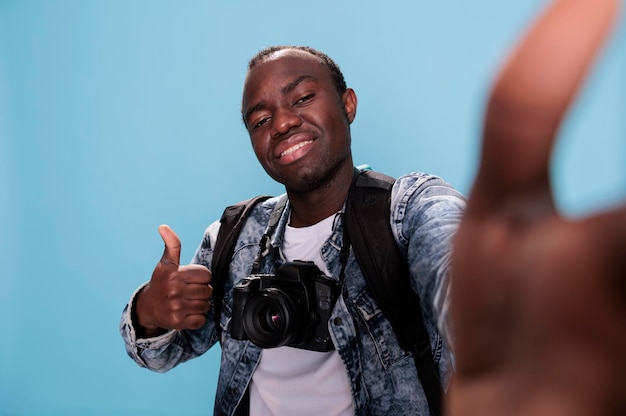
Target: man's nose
{"points": [[284, 119]]}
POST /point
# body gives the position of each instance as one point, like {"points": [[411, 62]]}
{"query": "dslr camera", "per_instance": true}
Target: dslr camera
{"points": [[290, 308]]}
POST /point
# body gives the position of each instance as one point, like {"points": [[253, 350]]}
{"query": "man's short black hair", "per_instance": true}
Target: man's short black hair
{"points": [[340, 82]]}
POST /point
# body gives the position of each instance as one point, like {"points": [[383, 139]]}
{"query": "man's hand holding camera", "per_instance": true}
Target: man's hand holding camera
{"points": [[177, 297]]}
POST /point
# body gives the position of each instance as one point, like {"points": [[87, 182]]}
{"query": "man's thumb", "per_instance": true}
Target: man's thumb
{"points": [[171, 254]]}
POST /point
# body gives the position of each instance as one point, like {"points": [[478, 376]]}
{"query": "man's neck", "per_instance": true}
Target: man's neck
{"points": [[311, 207]]}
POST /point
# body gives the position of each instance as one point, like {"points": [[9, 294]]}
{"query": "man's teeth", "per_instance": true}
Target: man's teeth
{"points": [[294, 148]]}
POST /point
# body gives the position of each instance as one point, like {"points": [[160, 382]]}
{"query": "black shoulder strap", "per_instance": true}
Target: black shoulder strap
{"points": [[231, 222], [387, 274]]}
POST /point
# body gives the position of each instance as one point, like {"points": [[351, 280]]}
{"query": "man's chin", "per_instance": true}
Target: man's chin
{"points": [[308, 184], [308, 178]]}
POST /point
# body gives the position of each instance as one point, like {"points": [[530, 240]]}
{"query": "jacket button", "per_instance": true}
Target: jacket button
{"points": [[337, 321]]}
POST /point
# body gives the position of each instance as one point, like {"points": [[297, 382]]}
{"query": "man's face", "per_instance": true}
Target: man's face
{"points": [[298, 122]]}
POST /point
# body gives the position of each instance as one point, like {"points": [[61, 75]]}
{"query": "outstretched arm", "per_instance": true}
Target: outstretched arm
{"points": [[538, 301]]}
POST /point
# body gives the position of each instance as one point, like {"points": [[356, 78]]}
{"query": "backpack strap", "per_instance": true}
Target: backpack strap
{"points": [[231, 222], [386, 272]]}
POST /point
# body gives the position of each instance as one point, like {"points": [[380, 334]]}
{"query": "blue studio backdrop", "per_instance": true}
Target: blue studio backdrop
{"points": [[118, 116]]}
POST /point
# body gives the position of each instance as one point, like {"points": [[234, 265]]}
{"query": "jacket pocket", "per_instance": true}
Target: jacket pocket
{"points": [[378, 329]]}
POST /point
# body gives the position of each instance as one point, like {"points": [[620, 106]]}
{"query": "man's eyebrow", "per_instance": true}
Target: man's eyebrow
{"points": [[251, 110], [284, 90], [293, 84]]}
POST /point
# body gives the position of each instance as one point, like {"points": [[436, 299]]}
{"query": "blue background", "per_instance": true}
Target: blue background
{"points": [[117, 116]]}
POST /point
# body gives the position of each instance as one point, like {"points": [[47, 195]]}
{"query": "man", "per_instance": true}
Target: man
{"points": [[298, 112]]}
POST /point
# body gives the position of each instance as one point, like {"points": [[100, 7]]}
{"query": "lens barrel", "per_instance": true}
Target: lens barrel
{"points": [[272, 319]]}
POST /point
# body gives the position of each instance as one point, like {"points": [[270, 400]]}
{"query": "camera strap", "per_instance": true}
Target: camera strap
{"points": [[265, 244]]}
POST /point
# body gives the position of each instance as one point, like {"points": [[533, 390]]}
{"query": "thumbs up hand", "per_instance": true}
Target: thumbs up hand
{"points": [[177, 297]]}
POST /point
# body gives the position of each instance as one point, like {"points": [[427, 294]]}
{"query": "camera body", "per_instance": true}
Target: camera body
{"points": [[290, 308]]}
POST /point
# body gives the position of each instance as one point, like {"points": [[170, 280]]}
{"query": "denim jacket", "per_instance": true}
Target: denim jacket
{"points": [[425, 212]]}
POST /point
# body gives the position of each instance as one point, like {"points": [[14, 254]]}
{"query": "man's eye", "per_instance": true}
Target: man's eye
{"points": [[260, 123], [305, 98]]}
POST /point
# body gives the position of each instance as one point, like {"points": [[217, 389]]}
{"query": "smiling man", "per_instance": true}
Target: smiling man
{"points": [[298, 110]]}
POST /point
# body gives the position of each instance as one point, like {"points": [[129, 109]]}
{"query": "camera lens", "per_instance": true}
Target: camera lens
{"points": [[271, 319]]}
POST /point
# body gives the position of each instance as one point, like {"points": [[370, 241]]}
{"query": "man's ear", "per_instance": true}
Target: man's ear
{"points": [[349, 104]]}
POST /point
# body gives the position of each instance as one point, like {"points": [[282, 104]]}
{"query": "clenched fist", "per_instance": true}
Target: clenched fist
{"points": [[177, 297]]}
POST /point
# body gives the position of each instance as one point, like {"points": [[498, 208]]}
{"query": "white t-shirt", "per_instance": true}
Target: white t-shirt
{"points": [[292, 381]]}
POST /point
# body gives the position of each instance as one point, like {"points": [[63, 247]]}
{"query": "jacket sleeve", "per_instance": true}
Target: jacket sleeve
{"points": [[428, 211], [166, 351]]}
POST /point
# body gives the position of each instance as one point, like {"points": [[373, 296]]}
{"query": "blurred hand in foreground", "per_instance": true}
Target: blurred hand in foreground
{"points": [[538, 301]]}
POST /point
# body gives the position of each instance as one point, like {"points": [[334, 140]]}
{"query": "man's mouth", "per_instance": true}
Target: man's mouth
{"points": [[294, 148]]}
